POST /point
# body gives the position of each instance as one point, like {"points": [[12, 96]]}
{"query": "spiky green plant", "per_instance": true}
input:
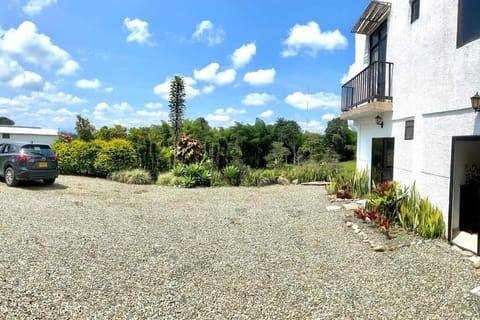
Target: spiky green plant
{"points": [[231, 175]]}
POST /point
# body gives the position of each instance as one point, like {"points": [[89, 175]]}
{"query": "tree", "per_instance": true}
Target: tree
{"points": [[340, 139], [277, 154], [288, 133], [4, 121], [107, 134], [177, 107], [84, 129]]}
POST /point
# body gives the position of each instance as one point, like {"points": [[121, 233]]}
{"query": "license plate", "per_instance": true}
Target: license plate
{"points": [[42, 164]]}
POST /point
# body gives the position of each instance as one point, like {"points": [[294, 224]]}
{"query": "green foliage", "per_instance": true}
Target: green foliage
{"points": [[305, 173], [193, 175], [115, 155], [257, 178], [84, 129], [176, 104], [357, 181], [340, 139], [78, 156], [107, 134], [278, 154], [136, 176], [231, 174], [420, 216]]}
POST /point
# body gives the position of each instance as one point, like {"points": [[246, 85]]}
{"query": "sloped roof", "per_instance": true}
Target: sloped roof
{"points": [[372, 17], [28, 130]]}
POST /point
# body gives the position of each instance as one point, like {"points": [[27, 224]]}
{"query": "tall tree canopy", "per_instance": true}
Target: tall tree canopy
{"points": [[84, 128], [177, 107], [340, 139]]}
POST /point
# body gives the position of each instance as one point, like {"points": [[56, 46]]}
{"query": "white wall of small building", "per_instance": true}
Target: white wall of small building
{"points": [[433, 81]]}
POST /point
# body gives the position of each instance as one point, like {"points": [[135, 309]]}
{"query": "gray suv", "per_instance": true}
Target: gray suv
{"points": [[27, 161]]}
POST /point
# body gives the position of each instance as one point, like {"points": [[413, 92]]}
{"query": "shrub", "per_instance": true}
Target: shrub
{"points": [[165, 179], [357, 181], [420, 216], [189, 150], [77, 157], [283, 181], [136, 176], [115, 155], [231, 174], [190, 176], [257, 178]]}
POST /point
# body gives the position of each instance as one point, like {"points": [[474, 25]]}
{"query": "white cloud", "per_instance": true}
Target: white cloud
{"points": [[117, 109], [207, 32], [69, 68], [36, 48], [310, 38], [266, 114], [242, 56], [88, 84], [328, 116], [12, 74], [163, 89], [312, 126], [317, 100], [34, 7], [138, 31], [153, 105], [109, 89], [260, 77], [208, 89], [223, 115], [27, 80], [258, 99], [210, 74]]}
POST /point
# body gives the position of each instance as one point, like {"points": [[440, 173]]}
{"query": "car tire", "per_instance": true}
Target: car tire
{"points": [[10, 179], [48, 181]]}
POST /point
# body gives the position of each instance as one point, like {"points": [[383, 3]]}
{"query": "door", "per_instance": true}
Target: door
{"points": [[382, 159], [378, 55]]}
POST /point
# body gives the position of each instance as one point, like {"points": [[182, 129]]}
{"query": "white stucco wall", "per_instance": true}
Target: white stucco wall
{"points": [[433, 81]]}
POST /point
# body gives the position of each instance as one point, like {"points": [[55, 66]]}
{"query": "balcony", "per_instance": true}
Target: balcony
{"points": [[368, 92]]}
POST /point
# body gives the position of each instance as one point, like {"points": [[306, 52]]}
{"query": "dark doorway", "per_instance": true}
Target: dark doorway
{"points": [[464, 215], [382, 159]]}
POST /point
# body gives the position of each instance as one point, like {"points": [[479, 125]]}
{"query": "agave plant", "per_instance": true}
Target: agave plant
{"points": [[232, 175]]}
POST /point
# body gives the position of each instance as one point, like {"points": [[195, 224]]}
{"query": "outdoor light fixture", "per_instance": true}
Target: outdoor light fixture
{"points": [[476, 102], [379, 120]]}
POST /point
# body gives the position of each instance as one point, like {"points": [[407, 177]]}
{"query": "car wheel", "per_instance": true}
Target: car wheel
{"points": [[49, 181], [10, 177]]}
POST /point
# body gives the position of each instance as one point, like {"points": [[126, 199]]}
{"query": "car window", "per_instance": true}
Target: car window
{"points": [[39, 149]]}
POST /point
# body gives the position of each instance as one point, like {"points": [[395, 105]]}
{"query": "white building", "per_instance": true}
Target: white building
{"points": [[28, 134], [417, 64]]}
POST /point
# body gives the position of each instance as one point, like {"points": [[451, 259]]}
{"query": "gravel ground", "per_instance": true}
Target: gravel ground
{"points": [[94, 249]]}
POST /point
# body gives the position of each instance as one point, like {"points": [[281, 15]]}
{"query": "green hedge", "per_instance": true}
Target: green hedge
{"points": [[96, 158]]}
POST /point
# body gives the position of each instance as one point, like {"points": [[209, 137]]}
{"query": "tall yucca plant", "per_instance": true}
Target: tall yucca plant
{"points": [[177, 107]]}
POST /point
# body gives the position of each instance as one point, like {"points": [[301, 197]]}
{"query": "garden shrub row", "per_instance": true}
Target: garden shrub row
{"points": [[95, 158]]}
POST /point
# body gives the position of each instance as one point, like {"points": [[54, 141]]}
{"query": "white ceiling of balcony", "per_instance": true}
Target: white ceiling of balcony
{"points": [[372, 17]]}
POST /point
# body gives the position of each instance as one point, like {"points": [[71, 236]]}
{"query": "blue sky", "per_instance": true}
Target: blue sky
{"points": [[111, 61]]}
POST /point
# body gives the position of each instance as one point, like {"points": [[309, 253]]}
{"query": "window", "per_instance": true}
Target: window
{"points": [[468, 28], [5, 135], [409, 128], [414, 10]]}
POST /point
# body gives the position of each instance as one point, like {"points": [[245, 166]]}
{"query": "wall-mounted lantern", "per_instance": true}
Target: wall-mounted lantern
{"points": [[379, 120], [476, 102]]}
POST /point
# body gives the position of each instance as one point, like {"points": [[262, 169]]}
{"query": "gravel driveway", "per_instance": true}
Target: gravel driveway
{"points": [[94, 249]]}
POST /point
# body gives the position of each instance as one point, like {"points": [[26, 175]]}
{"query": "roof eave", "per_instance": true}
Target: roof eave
{"points": [[372, 17]]}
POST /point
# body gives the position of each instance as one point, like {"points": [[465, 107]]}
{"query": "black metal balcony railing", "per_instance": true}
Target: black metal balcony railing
{"points": [[374, 83]]}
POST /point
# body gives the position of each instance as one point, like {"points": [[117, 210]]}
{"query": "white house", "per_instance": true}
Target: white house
{"points": [[417, 65], [28, 134]]}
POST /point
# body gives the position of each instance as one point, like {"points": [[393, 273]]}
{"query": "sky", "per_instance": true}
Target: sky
{"points": [[111, 61]]}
